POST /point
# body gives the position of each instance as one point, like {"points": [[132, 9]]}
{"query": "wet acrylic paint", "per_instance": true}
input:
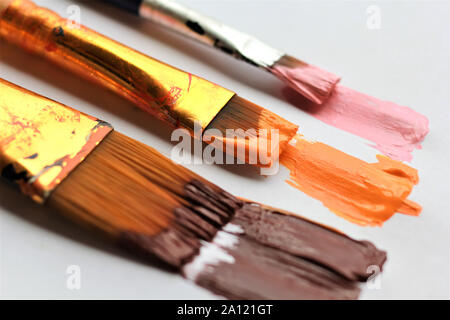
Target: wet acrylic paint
{"points": [[363, 193], [393, 129], [264, 253]]}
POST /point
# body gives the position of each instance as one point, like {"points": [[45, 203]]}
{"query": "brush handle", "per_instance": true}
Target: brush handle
{"points": [[206, 30], [177, 97]]}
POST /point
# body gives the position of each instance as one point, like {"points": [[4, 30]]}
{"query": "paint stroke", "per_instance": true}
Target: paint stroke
{"points": [[264, 253], [394, 130], [364, 193]]}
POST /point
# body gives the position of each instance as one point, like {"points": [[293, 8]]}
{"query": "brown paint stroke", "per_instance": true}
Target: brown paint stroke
{"points": [[279, 256]]}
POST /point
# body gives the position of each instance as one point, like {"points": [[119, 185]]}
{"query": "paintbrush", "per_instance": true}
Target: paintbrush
{"points": [[174, 96], [310, 81], [153, 207]]}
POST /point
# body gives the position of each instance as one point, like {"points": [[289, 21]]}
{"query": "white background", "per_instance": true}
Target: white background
{"points": [[406, 61]]}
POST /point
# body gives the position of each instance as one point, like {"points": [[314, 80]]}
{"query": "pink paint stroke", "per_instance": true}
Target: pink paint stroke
{"points": [[395, 130]]}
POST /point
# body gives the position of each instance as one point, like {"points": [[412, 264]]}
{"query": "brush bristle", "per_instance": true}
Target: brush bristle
{"points": [[144, 200], [310, 81], [240, 113]]}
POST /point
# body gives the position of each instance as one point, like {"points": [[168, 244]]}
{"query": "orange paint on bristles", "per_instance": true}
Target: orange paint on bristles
{"points": [[364, 193], [256, 124]]}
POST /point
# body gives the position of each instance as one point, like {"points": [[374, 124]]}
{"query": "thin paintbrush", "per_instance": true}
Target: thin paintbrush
{"points": [[174, 96], [153, 207], [312, 82]]}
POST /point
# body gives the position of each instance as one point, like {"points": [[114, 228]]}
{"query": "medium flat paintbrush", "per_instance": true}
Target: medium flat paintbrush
{"points": [[174, 96], [312, 82], [151, 206]]}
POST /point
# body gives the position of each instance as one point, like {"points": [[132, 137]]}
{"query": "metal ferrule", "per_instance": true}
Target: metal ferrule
{"points": [[194, 25], [42, 141], [178, 97]]}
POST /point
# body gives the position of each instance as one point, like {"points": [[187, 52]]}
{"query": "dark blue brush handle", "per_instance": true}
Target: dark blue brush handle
{"points": [[129, 5]]}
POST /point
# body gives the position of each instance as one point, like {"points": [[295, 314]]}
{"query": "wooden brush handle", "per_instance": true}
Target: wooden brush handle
{"points": [[172, 95]]}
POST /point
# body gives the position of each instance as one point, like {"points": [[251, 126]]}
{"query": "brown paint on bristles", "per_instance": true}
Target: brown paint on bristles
{"points": [[143, 200]]}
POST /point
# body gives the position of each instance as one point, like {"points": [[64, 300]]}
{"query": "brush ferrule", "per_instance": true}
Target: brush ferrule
{"points": [[178, 97], [42, 141], [209, 31]]}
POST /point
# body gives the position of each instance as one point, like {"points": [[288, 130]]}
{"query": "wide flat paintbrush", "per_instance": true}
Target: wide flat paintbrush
{"points": [[174, 96], [153, 207], [312, 82]]}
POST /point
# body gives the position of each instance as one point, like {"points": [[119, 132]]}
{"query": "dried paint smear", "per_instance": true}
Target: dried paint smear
{"points": [[364, 193], [394, 130]]}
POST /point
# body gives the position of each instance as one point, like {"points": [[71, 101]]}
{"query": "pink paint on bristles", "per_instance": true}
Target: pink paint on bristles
{"points": [[310, 81]]}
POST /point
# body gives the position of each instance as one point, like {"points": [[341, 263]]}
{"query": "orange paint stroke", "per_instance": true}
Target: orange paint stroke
{"points": [[364, 193]]}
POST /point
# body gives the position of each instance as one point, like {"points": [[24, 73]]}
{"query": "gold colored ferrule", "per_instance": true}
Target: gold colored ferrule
{"points": [[170, 94], [42, 141]]}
